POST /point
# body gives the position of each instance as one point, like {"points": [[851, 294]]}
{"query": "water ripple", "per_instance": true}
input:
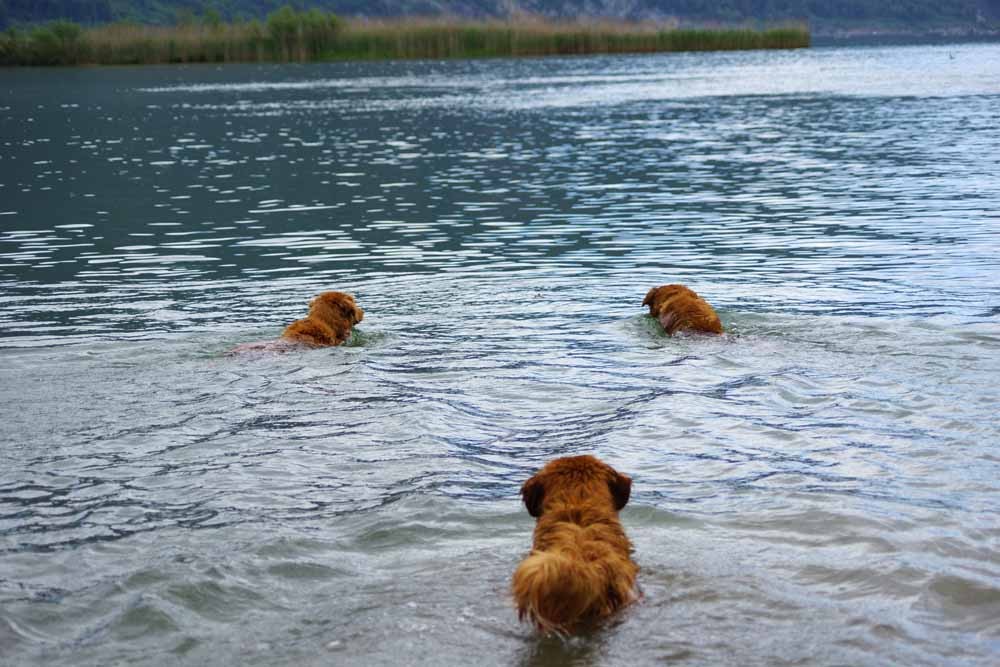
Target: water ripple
{"points": [[826, 469]]}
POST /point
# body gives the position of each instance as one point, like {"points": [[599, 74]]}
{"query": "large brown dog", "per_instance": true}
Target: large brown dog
{"points": [[681, 309], [331, 317], [580, 568]]}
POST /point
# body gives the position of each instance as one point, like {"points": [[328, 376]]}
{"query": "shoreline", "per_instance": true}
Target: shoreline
{"points": [[314, 36]]}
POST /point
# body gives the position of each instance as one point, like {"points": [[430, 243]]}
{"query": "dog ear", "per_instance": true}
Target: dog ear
{"points": [[648, 301], [345, 303], [533, 492], [621, 489]]}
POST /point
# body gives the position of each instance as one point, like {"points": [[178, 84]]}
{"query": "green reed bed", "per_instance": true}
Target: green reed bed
{"points": [[429, 39], [292, 36]]}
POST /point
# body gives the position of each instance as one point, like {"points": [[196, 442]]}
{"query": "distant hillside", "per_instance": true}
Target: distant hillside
{"points": [[824, 16]]}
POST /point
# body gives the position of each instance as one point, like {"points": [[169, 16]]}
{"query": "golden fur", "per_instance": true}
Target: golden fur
{"points": [[580, 568], [331, 317], [681, 309]]}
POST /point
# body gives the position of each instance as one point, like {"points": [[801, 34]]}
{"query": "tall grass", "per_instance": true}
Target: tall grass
{"points": [[533, 37], [290, 35]]}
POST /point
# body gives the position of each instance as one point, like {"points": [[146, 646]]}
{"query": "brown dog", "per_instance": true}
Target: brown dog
{"points": [[580, 568], [331, 317], [681, 309]]}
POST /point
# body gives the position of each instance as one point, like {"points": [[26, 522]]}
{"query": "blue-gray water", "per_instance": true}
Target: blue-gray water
{"points": [[817, 487]]}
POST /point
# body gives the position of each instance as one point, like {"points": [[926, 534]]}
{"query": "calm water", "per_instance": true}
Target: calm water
{"points": [[818, 487]]}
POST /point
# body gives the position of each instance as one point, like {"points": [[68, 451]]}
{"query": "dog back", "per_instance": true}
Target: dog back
{"points": [[679, 308], [580, 568]]}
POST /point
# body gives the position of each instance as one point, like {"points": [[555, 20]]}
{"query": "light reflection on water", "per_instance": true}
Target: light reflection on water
{"points": [[826, 470]]}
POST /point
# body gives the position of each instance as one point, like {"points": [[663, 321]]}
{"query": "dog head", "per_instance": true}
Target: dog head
{"points": [[339, 304], [575, 480], [658, 296]]}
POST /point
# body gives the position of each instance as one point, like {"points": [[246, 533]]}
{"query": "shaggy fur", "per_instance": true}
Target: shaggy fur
{"points": [[329, 322], [681, 309], [580, 568], [331, 317]]}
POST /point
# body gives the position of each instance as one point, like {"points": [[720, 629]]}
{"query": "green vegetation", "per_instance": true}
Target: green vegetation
{"points": [[301, 36], [822, 15], [440, 39]]}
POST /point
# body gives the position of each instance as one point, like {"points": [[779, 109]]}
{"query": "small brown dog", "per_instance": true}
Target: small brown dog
{"points": [[580, 568], [331, 317], [681, 309]]}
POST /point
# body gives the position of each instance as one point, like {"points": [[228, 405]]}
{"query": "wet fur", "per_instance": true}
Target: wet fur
{"points": [[580, 569], [679, 308], [331, 317]]}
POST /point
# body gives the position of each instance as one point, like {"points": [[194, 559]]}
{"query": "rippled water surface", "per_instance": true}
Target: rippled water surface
{"points": [[818, 487]]}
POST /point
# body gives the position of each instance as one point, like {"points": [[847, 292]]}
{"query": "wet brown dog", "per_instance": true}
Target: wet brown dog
{"points": [[681, 309], [331, 317], [580, 568]]}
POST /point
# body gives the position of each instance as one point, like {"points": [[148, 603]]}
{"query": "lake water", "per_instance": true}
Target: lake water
{"points": [[817, 487]]}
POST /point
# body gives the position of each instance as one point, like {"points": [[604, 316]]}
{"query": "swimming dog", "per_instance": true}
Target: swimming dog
{"points": [[332, 315], [679, 308], [580, 568]]}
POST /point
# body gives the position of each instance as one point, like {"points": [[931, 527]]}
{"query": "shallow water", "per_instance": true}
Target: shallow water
{"points": [[818, 486]]}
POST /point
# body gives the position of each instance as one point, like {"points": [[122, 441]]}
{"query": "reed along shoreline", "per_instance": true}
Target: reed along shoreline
{"points": [[315, 36]]}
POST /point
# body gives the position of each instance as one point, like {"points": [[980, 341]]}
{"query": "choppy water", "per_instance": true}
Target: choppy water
{"points": [[819, 486]]}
